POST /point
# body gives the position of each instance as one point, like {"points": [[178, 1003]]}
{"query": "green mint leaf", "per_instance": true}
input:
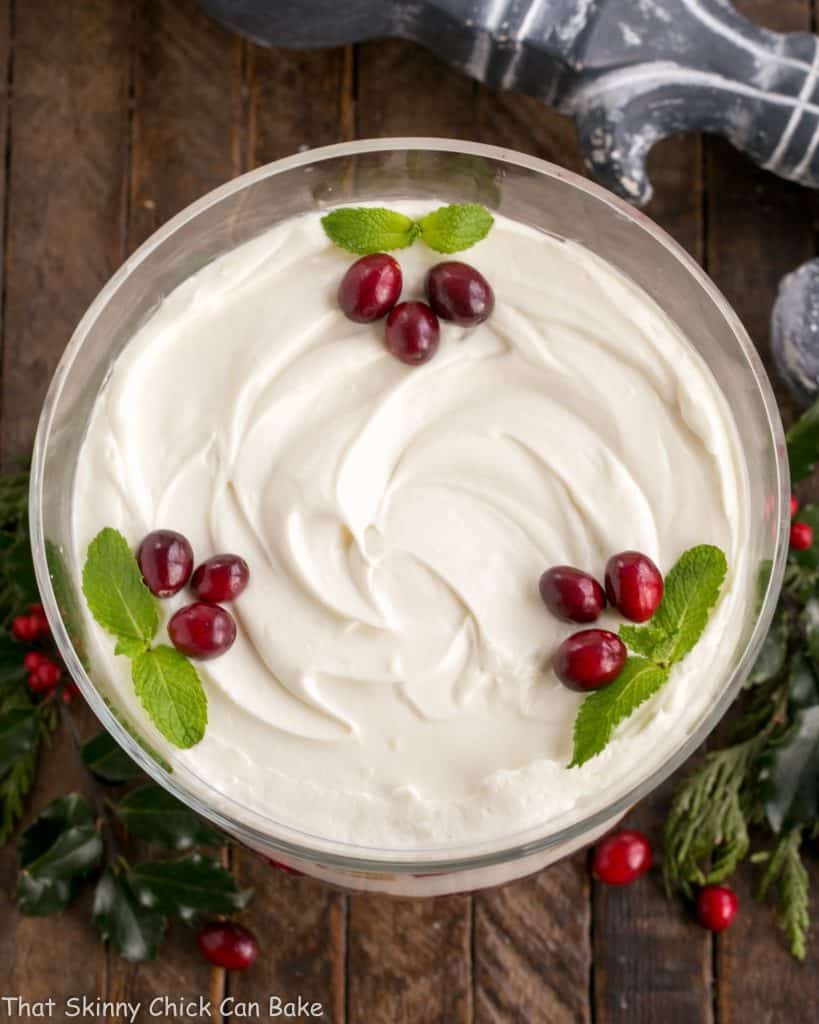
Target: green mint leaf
{"points": [[366, 229], [188, 887], [803, 444], [134, 931], [56, 852], [106, 759], [691, 590], [172, 694], [603, 710], [456, 227], [152, 814], [117, 595]]}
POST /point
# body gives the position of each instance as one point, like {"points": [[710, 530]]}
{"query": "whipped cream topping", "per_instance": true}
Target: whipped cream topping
{"points": [[391, 682]]}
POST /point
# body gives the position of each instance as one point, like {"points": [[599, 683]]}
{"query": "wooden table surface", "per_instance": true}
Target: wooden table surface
{"points": [[114, 115]]}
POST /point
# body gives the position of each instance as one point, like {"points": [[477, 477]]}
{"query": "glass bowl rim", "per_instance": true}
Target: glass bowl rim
{"points": [[408, 861]]}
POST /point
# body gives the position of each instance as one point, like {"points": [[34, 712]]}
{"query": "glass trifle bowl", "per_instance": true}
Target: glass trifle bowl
{"points": [[545, 199]]}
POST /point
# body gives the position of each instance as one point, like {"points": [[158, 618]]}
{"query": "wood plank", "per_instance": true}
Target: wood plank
{"points": [[531, 948], [651, 960], [759, 228], [187, 136], [63, 240], [295, 100], [409, 960]]}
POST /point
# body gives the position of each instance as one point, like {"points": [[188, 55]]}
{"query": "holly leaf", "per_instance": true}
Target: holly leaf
{"points": [[809, 621], [152, 814], [803, 686], [369, 229], [771, 658], [604, 709], [106, 759], [188, 887], [19, 729], [172, 694], [116, 593], [690, 592], [803, 444], [456, 227], [789, 776], [133, 930], [56, 852]]}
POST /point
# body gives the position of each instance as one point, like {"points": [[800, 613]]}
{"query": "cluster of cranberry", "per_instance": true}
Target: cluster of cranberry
{"points": [[44, 673], [593, 658], [203, 629], [801, 536], [455, 291], [623, 857]]}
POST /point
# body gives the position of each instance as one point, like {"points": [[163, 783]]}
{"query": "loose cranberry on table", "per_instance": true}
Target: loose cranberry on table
{"points": [[801, 537], [413, 333], [622, 857], [459, 293], [228, 945], [634, 585], [370, 288], [221, 578], [202, 630], [572, 594], [590, 659], [717, 906], [166, 562]]}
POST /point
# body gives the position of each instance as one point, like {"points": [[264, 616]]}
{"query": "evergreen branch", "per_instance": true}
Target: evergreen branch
{"points": [[14, 789], [787, 869], [706, 834]]}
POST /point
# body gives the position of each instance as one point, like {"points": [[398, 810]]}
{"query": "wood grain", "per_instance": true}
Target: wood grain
{"points": [[759, 228], [409, 960], [5, 141], [63, 240], [531, 949], [297, 100]]}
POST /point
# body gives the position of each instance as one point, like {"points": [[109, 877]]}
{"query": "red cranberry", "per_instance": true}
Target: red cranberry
{"points": [[717, 906], [26, 627], [202, 630], [228, 945], [572, 594], [794, 505], [45, 676], [634, 585], [622, 858], [282, 867], [590, 659], [220, 578], [166, 561], [33, 660], [801, 536], [70, 691], [413, 333], [459, 293], [370, 288]]}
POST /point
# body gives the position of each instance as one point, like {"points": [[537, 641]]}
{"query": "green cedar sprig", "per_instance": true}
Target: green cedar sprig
{"points": [[758, 797]]}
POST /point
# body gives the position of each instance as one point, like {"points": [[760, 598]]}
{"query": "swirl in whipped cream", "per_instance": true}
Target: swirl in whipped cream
{"points": [[391, 680]]}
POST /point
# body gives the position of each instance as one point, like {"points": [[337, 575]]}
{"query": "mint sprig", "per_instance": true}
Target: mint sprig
{"points": [[691, 590], [171, 692], [368, 229], [166, 682]]}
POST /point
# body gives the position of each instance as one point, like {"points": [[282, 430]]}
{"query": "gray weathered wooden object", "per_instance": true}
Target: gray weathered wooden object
{"points": [[630, 71]]}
